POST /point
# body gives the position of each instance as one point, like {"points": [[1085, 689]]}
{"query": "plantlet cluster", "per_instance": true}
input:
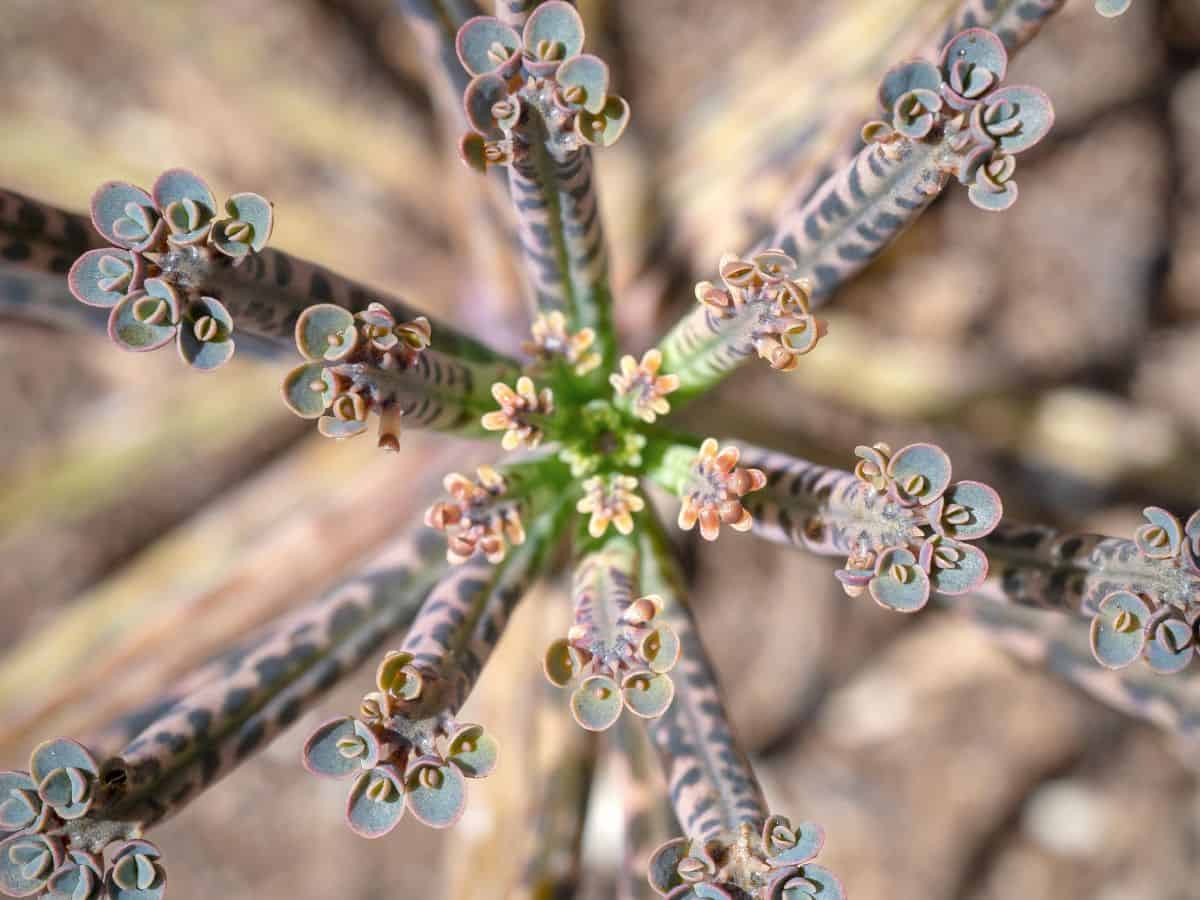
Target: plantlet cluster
{"points": [[589, 437]]}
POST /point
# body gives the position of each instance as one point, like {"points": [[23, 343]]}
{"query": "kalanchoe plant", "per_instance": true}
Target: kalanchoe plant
{"points": [[181, 269]]}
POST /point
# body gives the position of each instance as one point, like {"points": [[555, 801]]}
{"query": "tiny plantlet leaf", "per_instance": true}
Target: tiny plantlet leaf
{"points": [[976, 48], [588, 74], [205, 335], [20, 806], [248, 226], [1118, 631], [899, 583], [920, 473], [103, 277], [473, 751], [596, 703], [806, 883], [27, 862], [135, 873], [340, 748], [80, 877], [187, 203], [147, 319], [326, 332], [124, 214], [485, 44], [647, 694], [556, 30], [376, 802], [437, 792]]}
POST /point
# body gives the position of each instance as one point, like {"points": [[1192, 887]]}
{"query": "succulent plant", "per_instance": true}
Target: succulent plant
{"points": [[592, 436]]}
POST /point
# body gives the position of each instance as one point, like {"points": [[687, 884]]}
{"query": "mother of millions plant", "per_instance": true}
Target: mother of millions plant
{"points": [[587, 431]]}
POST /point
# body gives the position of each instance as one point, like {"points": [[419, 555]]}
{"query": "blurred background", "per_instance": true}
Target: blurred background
{"points": [[147, 515]]}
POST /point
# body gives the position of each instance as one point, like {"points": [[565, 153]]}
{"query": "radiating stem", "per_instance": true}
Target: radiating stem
{"points": [[40, 237], [1015, 22], [833, 230], [857, 212], [562, 235], [267, 293], [816, 507], [268, 684], [604, 587], [38, 244], [465, 614], [712, 787]]}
